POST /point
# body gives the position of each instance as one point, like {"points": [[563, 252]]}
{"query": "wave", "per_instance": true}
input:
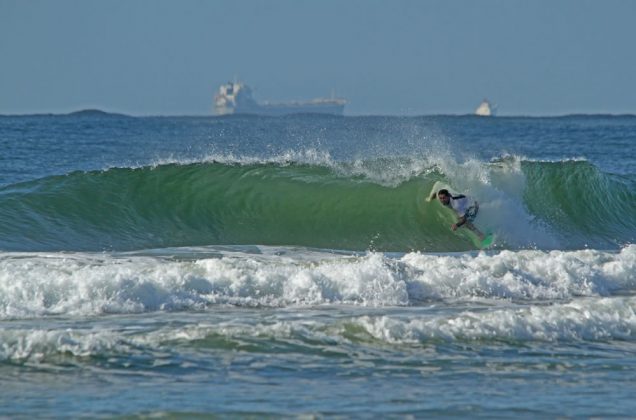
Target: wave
{"points": [[592, 320], [456, 298], [89, 284], [377, 205]]}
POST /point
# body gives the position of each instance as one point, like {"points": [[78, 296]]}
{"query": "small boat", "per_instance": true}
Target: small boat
{"points": [[485, 109]]}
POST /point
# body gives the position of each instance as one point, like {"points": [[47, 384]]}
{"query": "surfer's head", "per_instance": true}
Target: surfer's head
{"points": [[444, 196]]}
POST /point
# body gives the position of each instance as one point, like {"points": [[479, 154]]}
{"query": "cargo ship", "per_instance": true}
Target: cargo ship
{"points": [[236, 98]]}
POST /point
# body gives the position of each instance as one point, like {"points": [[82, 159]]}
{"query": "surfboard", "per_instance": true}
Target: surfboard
{"points": [[488, 240], [450, 217]]}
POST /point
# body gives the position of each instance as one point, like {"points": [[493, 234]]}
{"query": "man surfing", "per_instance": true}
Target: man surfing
{"points": [[465, 207]]}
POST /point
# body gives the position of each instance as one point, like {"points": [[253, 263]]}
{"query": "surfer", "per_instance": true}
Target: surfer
{"points": [[465, 207]]}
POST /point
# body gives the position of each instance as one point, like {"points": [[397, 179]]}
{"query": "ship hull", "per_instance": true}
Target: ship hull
{"points": [[283, 109], [236, 98]]}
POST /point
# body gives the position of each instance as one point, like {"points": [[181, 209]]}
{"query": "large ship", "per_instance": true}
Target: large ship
{"points": [[236, 98]]}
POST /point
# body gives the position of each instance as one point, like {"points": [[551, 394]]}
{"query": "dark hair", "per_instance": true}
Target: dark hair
{"points": [[442, 191]]}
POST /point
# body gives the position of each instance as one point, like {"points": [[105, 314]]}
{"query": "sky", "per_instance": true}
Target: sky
{"points": [[398, 57]]}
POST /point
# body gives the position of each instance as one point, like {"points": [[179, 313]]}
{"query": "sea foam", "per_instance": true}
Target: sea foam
{"points": [[80, 284], [589, 319], [152, 340]]}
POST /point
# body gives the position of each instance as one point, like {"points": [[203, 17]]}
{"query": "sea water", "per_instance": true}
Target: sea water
{"points": [[292, 266]]}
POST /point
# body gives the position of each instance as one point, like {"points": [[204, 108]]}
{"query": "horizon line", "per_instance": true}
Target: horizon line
{"points": [[100, 112]]}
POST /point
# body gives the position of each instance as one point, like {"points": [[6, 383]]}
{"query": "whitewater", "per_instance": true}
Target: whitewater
{"points": [[292, 266]]}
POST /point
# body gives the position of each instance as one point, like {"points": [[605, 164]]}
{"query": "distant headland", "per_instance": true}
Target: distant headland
{"points": [[81, 113], [95, 113]]}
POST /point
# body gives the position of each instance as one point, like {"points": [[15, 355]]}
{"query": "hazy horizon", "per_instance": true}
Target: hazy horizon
{"points": [[346, 114], [407, 58]]}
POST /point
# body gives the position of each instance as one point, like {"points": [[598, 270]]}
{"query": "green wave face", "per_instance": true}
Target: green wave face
{"points": [[305, 205], [582, 202]]}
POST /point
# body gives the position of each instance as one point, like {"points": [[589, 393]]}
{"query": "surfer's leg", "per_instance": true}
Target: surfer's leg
{"points": [[472, 227], [470, 216]]}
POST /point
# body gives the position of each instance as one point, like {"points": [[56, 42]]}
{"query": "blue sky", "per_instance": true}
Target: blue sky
{"points": [[154, 57]]}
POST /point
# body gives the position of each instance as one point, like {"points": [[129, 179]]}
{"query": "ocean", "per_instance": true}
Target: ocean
{"points": [[247, 266]]}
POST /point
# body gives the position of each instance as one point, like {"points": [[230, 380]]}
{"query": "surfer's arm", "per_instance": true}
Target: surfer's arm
{"points": [[460, 222]]}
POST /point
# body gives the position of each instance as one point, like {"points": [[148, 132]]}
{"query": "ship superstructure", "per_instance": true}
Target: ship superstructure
{"points": [[236, 98]]}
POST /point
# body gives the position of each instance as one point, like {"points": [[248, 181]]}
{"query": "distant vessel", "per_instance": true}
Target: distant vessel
{"points": [[485, 109], [236, 98]]}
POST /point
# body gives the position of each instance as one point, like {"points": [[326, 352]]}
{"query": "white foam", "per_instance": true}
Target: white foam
{"points": [[523, 274], [584, 319], [36, 345], [35, 285]]}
